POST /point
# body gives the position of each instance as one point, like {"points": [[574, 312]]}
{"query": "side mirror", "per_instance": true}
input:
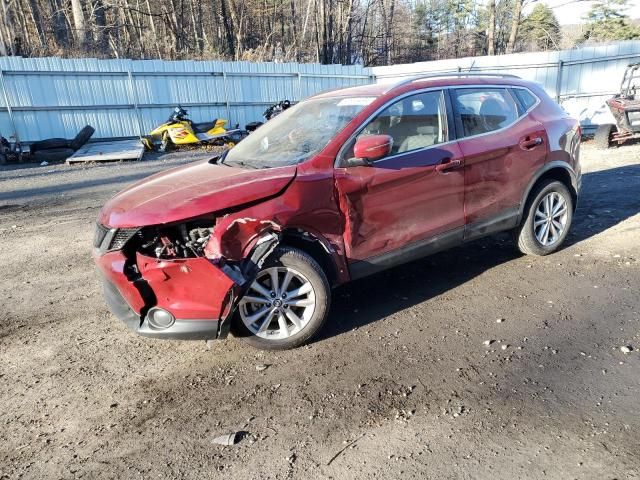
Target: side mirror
{"points": [[372, 147]]}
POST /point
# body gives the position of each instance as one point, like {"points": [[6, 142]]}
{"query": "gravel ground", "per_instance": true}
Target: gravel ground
{"points": [[401, 384]]}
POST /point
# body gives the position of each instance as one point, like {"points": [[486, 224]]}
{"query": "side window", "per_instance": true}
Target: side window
{"points": [[414, 122], [525, 97], [482, 110]]}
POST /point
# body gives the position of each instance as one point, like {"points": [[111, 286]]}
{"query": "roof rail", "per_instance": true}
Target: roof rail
{"points": [[427, 76]]}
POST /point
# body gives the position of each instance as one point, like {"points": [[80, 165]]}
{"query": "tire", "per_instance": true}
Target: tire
{"points": [[308, 317], [530, 240], [48, 144], [82, 137], [53, 154], [602, 137]]}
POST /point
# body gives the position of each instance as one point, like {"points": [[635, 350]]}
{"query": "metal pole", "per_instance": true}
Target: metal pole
{"points": [[226, 94], [5, 94], [134, 100], [299, 86], [559, 80]]}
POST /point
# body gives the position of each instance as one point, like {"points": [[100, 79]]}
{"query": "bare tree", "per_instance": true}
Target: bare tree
{"points": [[491, 31], [515, 24]]}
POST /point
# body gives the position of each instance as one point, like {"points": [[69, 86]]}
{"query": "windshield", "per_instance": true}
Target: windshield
{"points": [[296, 134]]}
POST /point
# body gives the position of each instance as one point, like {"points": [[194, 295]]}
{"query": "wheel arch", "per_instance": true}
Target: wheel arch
{"points": [[556, 170], [316, 246]]}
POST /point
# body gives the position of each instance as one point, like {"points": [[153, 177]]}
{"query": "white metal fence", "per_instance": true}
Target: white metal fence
{"points": [[52, 97], [579, 79]]}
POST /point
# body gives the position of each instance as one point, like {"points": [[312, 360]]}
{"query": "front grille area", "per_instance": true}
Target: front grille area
{"points": [[99, 234], [112, 239], [121, 237]]}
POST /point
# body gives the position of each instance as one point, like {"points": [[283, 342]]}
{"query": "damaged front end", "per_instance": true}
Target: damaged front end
{"points": [[182, 281]]}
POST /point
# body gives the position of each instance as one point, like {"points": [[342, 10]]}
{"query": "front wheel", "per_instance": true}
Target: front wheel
{"points": [[287, 303], [548, 216]]}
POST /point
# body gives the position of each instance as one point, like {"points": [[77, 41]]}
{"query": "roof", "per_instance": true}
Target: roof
{"points": [[423, 81]]}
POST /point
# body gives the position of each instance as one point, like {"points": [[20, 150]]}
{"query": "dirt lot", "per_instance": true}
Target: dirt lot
{"points": [[401, 377]]}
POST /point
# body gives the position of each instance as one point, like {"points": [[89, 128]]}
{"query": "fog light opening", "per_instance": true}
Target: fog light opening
{"points": [[159, 318]]}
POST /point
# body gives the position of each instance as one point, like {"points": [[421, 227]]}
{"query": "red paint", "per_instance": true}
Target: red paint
{"points": [[190, 191], [373, 147], [190, 288], [396, 202]]}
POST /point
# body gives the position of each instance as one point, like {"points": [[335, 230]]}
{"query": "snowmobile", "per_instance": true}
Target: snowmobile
{"points": [[180, 130]]}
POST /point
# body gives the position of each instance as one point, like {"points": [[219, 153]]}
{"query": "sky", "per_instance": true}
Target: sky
{"points": [[572, 12]]}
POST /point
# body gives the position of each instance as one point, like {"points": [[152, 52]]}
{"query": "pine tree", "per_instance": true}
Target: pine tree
{"points": [[541, 28], [607, 21]]}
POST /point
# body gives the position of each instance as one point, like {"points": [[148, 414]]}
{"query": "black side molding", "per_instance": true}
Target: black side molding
{"points": [[409, 253]]}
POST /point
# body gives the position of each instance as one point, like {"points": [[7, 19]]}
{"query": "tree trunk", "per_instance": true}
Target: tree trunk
{"points": [[37, 22], [154, 31], [60, 28], [515, 24], [227, 22], [5, 26], [101, 34], [491, 32], [79, 23]]}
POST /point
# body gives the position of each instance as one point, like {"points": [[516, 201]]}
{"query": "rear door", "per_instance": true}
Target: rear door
{"points": [[502, 146], [396, 207]]}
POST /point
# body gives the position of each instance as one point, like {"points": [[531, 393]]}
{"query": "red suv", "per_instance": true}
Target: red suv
{"points": [[339, 186]]}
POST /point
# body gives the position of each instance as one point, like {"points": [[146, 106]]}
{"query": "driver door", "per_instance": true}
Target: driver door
{"points": [[409, 203]]}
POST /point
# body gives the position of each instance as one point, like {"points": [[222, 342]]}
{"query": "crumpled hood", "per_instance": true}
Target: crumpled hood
{"points": [[190, 191]]}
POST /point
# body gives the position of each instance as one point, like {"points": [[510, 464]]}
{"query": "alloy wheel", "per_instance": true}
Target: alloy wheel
{"points": [[279, 303], [550, 218]]}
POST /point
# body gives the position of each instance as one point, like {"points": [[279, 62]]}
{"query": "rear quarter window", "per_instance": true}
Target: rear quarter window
{"points": [[525, 97], [483, 110]]}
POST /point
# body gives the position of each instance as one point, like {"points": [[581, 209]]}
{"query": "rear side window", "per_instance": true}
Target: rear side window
{"points": [[483, 110], [525, 97]]}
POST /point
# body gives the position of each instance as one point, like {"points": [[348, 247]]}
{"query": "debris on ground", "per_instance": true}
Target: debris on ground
{"points": [[261, 367], [626, 349], [227, 439]]}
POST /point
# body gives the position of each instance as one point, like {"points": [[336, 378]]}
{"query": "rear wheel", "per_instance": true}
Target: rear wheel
{"points": [[603, 136], [286, 304], [549, 212]]}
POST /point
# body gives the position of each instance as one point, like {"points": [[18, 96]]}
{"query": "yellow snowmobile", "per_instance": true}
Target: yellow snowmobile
{"points": [[180, 130]]}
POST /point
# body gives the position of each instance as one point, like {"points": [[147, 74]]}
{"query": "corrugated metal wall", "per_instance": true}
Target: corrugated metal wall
{"points": [[581, 79], [53, 97]]}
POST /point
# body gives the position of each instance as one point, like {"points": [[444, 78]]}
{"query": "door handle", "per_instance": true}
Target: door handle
{"points": [[529, 143], [448, 164]]}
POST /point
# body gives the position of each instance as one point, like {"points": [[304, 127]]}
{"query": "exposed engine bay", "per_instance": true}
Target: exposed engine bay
{"points": [[186, 240]]}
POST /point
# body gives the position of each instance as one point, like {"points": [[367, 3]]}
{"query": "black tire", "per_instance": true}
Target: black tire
{"points": [[82, 137], [602, 137], [304, 264], [53, 155], [48, 144], [527, 241]]}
